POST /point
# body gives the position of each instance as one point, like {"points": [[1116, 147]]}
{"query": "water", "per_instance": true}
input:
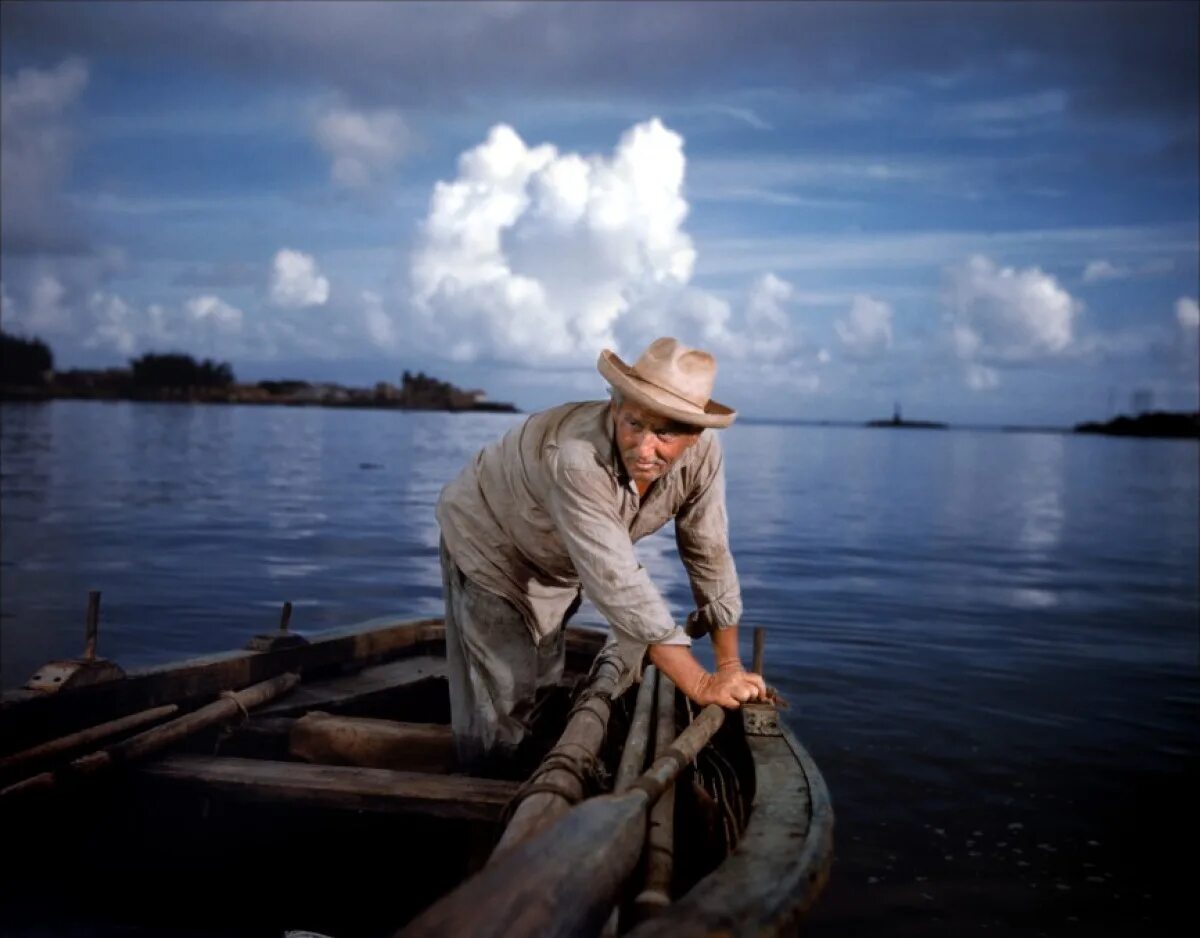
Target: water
{"points": [[989, 640]]}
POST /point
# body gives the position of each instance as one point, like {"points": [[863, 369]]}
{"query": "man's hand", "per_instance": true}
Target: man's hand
{"points": [[730, 687]]}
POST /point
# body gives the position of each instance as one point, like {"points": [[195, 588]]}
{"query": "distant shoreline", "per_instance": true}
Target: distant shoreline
{"points": [[1159, 423], [36, 395], [1120, 426], [27, 374], [907, 424]]}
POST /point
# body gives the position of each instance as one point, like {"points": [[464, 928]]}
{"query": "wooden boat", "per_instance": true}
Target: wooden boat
{"points": [[336, 807]]}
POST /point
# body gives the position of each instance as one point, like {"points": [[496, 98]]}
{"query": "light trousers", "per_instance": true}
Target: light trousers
{"points": [[495, 670]]}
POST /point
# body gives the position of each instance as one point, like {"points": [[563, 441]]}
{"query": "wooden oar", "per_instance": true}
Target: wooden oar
{"points": [[637, 740], [93, 734], [229, 705], [660, 841], [633, 757], [563, 881]]}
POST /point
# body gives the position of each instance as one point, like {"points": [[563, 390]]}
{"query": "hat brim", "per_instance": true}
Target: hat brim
{"points": [[625, 380]]}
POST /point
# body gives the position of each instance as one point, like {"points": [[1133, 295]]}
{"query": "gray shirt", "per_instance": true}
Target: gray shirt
{"points": [[549, 508]]}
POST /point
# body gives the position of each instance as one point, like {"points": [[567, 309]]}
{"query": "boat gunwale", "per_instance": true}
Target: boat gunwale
{"points": [[27, 716]]}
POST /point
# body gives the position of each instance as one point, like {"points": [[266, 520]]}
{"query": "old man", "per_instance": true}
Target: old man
{"points": [[552, 510]]}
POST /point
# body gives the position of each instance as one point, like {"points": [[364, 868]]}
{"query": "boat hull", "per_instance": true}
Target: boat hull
{"points": [[235, 832]]}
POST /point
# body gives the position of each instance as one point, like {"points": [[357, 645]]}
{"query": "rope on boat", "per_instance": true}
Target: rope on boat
{"points": [[231, 695], [583, 703], [585, 768]]}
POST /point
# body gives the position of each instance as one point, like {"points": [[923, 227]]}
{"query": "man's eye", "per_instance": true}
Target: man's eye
{"points": [[667, 436]]}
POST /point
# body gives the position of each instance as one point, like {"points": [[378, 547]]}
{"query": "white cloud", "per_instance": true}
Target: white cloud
{"points": [[1187, 313], [47, 312], [743, 114], [296, 282], [1103, 270], [1002, 316], [380, 327], [35, 94], [36, 149], [768, 330], [866, 331], [364, 145], [1006, 117], [216, 313], [764, 307], [117, 325], [114, 324], [981, 378], [531, 254]]}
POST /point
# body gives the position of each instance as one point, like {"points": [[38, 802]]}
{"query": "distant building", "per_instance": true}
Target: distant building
{"points": [[385, 391]]}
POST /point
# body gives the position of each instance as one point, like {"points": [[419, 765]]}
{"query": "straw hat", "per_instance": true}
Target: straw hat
{"points": [[672, 380]]}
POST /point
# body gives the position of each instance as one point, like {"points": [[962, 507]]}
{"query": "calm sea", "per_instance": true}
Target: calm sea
{"points": [[989, 640]]}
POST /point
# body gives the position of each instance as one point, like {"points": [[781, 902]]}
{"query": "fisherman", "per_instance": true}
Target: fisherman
{"points": [[551, 511]]}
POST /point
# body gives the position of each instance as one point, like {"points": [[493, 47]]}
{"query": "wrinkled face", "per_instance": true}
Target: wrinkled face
{"points": [[648, 442]]}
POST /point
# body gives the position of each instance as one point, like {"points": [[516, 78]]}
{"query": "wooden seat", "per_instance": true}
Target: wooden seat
{"points": [[332, 786]]}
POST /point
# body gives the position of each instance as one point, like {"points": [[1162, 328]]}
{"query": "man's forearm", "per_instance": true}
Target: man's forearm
{"points": [[679, 664], [725, 647]]}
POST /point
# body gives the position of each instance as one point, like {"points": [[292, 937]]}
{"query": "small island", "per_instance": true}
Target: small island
{"points": [[1158, 423], [899, 421], [27, 374]]}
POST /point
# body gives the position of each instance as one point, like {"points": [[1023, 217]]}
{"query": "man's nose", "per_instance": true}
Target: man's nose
{"points": [[645, 446]]}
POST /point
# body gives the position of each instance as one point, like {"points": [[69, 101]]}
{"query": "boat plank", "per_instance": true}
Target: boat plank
{"points": [[359, 688], [334, 786]]}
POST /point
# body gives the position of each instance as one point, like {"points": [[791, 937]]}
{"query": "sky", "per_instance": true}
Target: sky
{"points": [[987, 213]]}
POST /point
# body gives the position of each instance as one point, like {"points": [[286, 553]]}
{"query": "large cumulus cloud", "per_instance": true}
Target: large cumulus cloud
{"points": [[535, 255]]}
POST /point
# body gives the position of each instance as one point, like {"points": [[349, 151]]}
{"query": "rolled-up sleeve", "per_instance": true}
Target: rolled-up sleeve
{"points": [[702, 535], [581, 504]]}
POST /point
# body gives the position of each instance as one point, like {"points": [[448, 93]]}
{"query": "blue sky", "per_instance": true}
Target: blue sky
{"points": [[987, 212]]}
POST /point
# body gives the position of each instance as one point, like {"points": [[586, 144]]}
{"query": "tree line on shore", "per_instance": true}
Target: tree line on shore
{"points": [[27, 372], [30, 363]]}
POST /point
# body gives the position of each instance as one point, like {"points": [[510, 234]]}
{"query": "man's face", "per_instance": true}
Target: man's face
{"points": [[648, 442]]}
